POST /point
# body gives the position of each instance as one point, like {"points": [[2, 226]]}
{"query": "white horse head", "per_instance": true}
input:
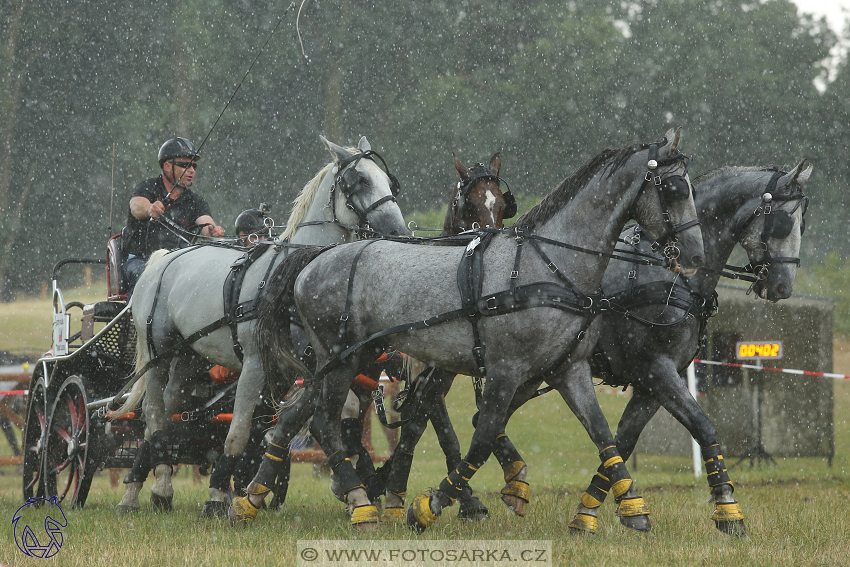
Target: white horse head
{"points": [[351, 196]]}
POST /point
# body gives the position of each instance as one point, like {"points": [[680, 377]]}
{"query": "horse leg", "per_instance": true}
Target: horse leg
{"points": [[576, 388], [425, 509], [275, 465], [671, 391], [639, 410], [135, 479], [177, 389], [470, 508], [326, 428]]}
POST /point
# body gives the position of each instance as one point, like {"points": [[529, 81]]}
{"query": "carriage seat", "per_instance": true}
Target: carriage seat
{"points": [[100, 312]]}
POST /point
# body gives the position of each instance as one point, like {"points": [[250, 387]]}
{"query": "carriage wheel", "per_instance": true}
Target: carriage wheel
{"points": [[34, 428], [68, 451]]}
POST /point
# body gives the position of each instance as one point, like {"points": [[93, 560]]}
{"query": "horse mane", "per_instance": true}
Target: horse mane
{"points": [[305, 198], [611, 159], [702, 178]]}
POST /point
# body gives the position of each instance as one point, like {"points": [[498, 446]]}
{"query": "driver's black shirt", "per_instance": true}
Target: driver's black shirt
{"points": [[146, 236]]}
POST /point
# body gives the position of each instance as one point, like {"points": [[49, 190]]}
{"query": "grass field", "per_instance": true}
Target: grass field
{"points": [[796, 511]]}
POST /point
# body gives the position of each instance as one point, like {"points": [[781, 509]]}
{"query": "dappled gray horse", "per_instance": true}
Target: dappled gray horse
{"points": [[394, 293], [760, 208], [180, 299]]}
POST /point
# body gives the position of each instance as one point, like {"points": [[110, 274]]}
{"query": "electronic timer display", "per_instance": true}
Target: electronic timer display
{"points": [[748, 350]]}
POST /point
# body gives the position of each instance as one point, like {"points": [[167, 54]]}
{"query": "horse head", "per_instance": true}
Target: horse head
{"points": [[772, 240], [664, 205], [364, 194], [478, 200]]}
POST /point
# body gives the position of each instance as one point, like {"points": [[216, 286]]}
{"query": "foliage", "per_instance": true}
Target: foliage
{"points": [[90, 89]]}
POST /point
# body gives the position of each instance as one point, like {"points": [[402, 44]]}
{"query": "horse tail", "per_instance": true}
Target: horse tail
{"points": [[275, 307], [140, 386], [412, 368]]}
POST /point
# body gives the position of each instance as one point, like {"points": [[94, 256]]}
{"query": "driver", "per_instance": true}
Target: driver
{"points": [[167, 195]]}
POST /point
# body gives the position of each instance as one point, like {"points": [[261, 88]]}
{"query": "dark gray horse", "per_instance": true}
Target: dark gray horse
{"points": [[390, 292], [648, 350], [762, 209]]}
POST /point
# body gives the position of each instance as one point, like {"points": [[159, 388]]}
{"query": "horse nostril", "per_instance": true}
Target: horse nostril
{"points": [[697, 260], [783, 291]]}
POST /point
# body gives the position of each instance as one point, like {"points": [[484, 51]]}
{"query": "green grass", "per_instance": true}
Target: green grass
{"points": [[795, 511]]}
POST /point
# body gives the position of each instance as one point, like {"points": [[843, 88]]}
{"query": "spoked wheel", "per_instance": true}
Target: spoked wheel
{"points": [[68, 452], [34, 429]]}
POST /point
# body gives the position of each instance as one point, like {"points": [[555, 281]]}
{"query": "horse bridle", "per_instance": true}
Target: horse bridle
{"points": [[672, 188], [347, 177], [778, 224], [479, 171]]}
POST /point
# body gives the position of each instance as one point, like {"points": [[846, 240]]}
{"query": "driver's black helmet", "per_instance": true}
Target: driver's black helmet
{"points": [[177, 147], [250, 221]]}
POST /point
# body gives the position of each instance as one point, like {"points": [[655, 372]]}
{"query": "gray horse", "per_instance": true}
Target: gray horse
{"points": [[182, 294], [389, 292], [658, 339], [760, 208]]}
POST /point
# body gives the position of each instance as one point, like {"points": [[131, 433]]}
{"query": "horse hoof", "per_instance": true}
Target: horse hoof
{"points": [[516, 495], [584, 524], [214, 509], [732, 528], [634, 514], [472, 510], [124, 509], [161, 503], [365, 518], [419, 514], [241, 512], [336, 490]]}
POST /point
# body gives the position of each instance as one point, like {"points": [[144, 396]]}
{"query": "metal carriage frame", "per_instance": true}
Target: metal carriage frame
{"points": [[69, 434]]}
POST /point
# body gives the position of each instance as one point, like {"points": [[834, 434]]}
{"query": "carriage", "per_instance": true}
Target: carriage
{"points": [[69, 433]]}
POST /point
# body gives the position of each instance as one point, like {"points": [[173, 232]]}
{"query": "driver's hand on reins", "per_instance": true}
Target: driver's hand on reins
{"points": [[214, 230], [156, 210]]}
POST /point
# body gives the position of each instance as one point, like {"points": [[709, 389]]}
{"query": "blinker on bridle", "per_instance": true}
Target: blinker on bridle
{"points": [[778, 224], [347, 177], [672, 188]]}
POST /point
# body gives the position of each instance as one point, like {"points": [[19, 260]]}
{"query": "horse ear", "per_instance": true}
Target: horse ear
{"points": [[495, 163], [462, 170], [673, 136], [363, 145], [798, 175], [339, 153]]}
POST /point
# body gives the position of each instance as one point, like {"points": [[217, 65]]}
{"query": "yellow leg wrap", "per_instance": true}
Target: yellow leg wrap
{"points": [[589, 501], [632, 507], [621, 487], [517, 488], [728, 512], [393, 516], [612, 461], [242, 511], [257, 489], [364, 515], [421, 507], [585, 523], [512, 470]]}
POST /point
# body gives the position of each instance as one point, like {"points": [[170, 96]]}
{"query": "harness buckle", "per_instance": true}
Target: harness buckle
{"points": [[185, 416], [344, 317], [262, 284], [514, 274], [491, 304], [378, 399], [552, 267], [666, 216], [632, 275], [657, 180], [604, 304], [580, 336], [648, 176]]}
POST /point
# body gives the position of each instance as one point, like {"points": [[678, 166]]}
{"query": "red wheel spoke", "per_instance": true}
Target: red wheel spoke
{"points": [[61, 466], [72, 409], [63, 434]]}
